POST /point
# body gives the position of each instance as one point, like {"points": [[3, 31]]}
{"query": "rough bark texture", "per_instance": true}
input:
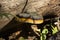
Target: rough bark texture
{"points": [[42, 7], [10, 6]]}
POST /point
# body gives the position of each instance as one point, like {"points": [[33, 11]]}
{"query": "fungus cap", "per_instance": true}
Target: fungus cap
{"points": [[30, 20]]}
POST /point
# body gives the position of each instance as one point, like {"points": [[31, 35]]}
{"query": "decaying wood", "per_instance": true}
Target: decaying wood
{"points": [[42, 7], [10, 6]]}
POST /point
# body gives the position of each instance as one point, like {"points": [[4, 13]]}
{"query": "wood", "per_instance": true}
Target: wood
{"points": [[43, 7]]}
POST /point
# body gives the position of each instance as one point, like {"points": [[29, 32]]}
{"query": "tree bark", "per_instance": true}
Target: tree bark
{"points": [[15, 7]]}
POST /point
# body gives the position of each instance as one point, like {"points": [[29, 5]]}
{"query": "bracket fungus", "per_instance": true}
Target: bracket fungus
{"points": [[33, 18]]}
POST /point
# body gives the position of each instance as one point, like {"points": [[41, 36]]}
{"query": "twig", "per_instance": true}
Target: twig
{"points": [[35, 29], [58, 24]]}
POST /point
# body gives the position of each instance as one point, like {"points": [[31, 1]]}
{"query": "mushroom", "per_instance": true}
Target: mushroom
{"points": [[32, 18], [29, 20]]}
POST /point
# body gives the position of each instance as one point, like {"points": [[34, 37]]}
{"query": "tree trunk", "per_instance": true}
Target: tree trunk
{"points": [[42, 7]]}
